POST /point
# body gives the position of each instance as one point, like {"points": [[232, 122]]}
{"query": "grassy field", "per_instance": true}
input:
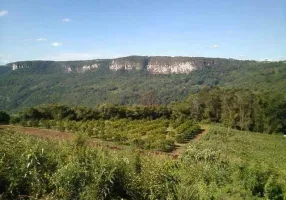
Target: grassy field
{"points": [[220, 164], [243, 146]]}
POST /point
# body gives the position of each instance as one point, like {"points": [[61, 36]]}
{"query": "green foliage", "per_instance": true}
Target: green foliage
{"points": [[221, 165], [240, 109], [159, 134], [44, 82], [39, 169], [273, 190], [80, 140], [104, 111], [4, 117]]}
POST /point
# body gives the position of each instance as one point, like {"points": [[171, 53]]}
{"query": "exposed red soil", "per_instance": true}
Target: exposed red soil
{"points": [[43, 133], [198, 136]]}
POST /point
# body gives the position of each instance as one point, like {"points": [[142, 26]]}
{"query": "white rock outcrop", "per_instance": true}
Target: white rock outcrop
{"points": [[117, 65], [176, 68], [159, 65], [89, 67], [15, 66], [67, 69], [154, 65]]}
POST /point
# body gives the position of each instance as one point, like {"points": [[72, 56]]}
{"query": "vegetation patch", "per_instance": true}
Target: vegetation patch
{"points": [[160, 134], [33, 168]]}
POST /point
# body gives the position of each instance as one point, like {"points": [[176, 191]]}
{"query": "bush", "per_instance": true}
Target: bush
{"points": [[4, 117], [158, 134], [273, 190], [41, 169], [15, 119]]}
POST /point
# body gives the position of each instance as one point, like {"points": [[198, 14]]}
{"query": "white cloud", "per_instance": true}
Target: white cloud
{"points": [[3, 12], [66, 20], [56, 44], [215, 46], [41, 39]]}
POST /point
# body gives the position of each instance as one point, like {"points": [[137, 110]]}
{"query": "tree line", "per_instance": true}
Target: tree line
{"points": [[235, 108], [104, 111]]}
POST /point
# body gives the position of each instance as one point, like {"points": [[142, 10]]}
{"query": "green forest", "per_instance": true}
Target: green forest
{"points": [[241, 156], [234, 108], [45, 82]]}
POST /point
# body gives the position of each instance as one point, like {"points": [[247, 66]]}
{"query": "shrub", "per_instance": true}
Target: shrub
{"points": [[4, 117], [273, 190], [14, 119]]}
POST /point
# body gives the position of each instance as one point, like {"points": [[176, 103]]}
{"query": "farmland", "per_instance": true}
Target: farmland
{"points": [[217, 144], [221, 164], [142, 100], [157, 134]]}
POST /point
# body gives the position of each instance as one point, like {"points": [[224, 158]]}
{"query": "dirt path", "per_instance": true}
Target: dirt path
{"points": [[200, 135], [181, 148], [43, 133]]}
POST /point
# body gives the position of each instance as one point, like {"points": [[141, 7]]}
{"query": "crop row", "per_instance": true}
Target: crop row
{"points": [[160, 134]]}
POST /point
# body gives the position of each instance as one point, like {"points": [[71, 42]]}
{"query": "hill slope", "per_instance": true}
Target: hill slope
{"points": [[222, 164], [125, 80]]}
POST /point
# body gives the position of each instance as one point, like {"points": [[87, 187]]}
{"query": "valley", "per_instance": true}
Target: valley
{"points": [[142, 100], [134, 130]]}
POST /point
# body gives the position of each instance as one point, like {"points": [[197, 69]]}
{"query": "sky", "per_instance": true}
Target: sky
{"points": [[91, 29]]}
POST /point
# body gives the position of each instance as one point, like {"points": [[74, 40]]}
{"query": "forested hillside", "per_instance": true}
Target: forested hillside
{"points": [[234, 108], [212, 145], [49, 82]]}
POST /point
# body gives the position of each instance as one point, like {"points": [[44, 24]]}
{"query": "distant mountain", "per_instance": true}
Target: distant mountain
{"points": [[153, 65], [126, 80]]}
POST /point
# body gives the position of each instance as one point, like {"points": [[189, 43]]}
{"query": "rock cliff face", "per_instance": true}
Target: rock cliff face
{"points": [[89, 67], [124, 64], [154, 65], [175, 68], [169, 65], [162, 65], [79, 69], [17, 66]]}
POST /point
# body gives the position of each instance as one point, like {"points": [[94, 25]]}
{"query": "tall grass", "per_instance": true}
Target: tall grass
{"points": [[33, 168]]}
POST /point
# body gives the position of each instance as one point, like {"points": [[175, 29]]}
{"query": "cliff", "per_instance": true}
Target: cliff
{"points": [[123, 81], [153, 65]]}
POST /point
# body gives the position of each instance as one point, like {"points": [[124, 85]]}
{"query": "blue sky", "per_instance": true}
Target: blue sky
{"points": [[89, 29]]}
